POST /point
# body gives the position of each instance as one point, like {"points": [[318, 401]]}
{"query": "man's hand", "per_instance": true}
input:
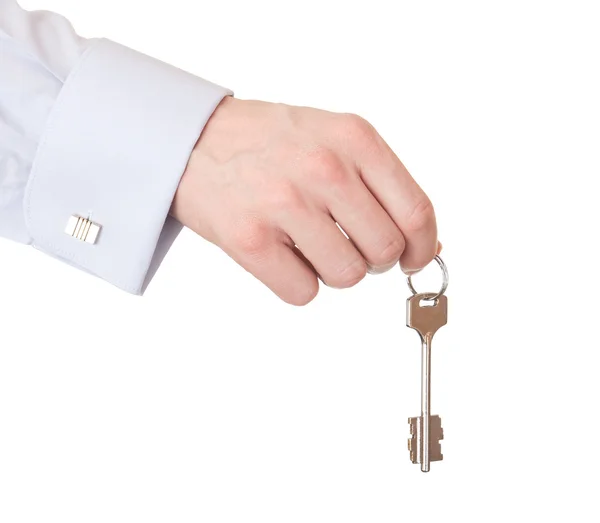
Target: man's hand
{"points": [[268, 182]]}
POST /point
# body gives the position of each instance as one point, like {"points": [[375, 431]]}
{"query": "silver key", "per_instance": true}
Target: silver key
{"points": [[426, 313]]}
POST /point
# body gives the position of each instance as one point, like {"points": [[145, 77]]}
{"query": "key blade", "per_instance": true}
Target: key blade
{"points": [[415, 443], [426, 319]]}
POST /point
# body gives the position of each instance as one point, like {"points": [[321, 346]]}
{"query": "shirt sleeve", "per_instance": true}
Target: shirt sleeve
{"points": [[94, 138]]}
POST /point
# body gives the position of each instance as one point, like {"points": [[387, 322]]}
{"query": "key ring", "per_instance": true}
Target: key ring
{"points": [[433, 297]]}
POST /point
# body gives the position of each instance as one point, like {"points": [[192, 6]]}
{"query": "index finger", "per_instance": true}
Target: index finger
{"points": [[399, 194]]}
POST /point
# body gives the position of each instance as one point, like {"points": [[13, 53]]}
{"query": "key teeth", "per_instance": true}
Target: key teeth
{"points": [[413, 426], [436, 434]]}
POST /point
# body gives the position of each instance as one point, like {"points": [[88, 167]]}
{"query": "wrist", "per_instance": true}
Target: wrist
{"points": [[207, 147]]}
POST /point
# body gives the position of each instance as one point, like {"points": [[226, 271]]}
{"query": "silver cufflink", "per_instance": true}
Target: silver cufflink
{"points": [[82, 229]]}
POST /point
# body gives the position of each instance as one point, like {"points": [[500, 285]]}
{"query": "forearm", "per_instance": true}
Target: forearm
{"points": [[93, 129], [99, 137]]}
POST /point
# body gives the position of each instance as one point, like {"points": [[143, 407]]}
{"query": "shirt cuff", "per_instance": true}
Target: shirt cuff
{"points": [[116, 144]]}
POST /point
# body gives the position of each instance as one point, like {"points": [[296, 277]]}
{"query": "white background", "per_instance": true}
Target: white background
{"points": [[208, 400]]}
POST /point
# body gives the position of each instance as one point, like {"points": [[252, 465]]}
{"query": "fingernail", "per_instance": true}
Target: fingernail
{"points": [[410, 272]]}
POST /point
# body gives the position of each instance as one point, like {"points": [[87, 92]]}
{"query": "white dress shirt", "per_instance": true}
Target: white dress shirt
{"points": [[96, 131]]}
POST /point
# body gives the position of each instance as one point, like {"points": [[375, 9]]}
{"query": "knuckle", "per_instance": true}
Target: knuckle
{"points": [[422, 216], [390, 253], [326, 167], [252, 237], [357, 123], [359, 131], [351, 274], [284, 196]]}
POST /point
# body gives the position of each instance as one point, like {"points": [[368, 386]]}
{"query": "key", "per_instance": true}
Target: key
{"points": [[426, 313]]}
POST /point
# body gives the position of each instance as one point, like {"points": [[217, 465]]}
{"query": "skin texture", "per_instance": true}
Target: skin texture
{"points": [[269, 184]]}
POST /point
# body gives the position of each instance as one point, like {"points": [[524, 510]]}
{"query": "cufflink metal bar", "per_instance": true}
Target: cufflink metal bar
{"points": [[83, 229]]}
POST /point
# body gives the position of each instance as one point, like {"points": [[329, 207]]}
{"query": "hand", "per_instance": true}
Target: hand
{"points": [[268, 182]]}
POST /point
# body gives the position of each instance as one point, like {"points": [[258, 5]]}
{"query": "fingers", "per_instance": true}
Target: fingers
{"points": [[368, 225], [409, 207], [335, 259], [269, 256], [396, 191]]}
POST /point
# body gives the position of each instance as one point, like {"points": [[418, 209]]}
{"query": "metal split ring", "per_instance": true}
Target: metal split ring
{"points": [[431, 296]]}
